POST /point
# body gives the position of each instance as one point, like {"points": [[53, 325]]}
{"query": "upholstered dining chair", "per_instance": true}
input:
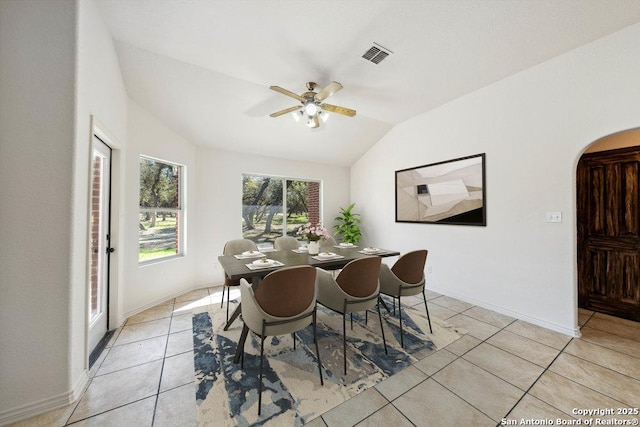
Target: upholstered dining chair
{"points": [[285, 243], [356, 288], [283, 303], [327, 243], [234, 247], [405, 278]]}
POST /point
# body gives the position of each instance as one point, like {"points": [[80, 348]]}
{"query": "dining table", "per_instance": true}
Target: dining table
{"points": [[248, 266]]}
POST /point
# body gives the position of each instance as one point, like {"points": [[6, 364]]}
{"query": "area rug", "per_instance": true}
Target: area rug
{"points": [[292, 394]]}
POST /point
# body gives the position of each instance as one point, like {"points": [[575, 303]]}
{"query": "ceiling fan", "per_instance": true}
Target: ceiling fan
{"points": [[311, 103]]}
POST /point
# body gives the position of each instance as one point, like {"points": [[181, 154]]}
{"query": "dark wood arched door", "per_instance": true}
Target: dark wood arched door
{"points": [[608, 216]]}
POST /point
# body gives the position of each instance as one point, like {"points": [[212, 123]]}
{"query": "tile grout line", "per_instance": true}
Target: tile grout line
{"points": [[610, 333], [537, 379], [444, 386], [602, 366], [461, 357], [166, 346], [91, 378]]}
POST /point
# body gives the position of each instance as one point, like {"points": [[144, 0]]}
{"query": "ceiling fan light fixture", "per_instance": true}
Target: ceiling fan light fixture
{"points": [[311, 108], [310, 121]]}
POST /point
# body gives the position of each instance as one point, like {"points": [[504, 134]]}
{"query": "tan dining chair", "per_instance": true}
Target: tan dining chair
{"points": [[405, 278], [285, 243], [234, 247], [327, 243], [356, 288], [283, 303]]}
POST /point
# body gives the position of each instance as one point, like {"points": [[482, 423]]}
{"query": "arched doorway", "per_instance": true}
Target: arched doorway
{"points": [[608, 226]]}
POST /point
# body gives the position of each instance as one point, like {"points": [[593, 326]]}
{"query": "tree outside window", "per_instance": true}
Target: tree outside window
{"points": [[265, 199], [161, 212]]}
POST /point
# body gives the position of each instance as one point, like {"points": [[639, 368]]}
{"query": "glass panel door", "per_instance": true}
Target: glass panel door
{"points": [[99, 242]]}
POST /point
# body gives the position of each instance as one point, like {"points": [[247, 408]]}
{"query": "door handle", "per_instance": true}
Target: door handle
{"points": [[111, 250]]}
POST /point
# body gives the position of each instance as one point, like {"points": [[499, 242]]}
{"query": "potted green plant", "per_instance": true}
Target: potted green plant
{"points": [[348, 225]]}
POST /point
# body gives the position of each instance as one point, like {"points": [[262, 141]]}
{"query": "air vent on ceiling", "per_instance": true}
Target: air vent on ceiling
{"points": [[376, 53]]}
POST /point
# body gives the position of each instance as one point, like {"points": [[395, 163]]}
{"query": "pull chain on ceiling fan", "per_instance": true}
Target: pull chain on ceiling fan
{"points": [[311, 103]]}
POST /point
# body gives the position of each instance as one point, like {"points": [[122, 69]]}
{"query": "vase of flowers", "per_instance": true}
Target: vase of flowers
{"points": [[313, 234]]}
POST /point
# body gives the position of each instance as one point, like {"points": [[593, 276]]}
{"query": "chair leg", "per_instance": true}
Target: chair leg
{"points": [[293, 335], [427, 309], [384, 340], [366, 316], [351, 315], [243, 340], [344, 341], [228, 302], [400, 317], [315, 340], [260, 383]]}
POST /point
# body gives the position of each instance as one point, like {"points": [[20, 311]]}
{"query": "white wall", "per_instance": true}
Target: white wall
{"points": [[37, 108], [149, 284], [100, 94], [533, 128], [219, 193], [46, 98], [213, 203]]}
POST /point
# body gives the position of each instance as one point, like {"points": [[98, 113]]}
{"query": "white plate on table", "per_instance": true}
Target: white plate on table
{"points": [[303, 249], [264, 262], [346, 245], [326, 255], [252, 253], [371, 250]]}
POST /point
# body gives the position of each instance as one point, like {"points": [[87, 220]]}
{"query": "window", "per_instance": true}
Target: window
{"points": [[161, 210], [265, 199]]}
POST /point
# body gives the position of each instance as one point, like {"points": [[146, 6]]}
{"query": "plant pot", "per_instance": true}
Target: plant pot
{"points": [[314, 248]]}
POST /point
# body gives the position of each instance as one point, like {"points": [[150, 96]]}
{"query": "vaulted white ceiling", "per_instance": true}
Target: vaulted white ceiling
{"points": [[204, 67]]}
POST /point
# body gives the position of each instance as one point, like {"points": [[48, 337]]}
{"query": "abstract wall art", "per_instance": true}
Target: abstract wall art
{"points": [[447, 192]]}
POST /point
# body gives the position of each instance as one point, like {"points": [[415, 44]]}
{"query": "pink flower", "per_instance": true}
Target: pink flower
{"points": [[313, 233]]}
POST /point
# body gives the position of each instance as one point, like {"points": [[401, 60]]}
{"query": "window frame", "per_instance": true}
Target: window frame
{"points": [[284, 179], [180, 211]]}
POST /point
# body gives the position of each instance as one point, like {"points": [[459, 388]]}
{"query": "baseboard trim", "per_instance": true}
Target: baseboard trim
{"points": [[45, 405], [167, 298], [572, 332]]}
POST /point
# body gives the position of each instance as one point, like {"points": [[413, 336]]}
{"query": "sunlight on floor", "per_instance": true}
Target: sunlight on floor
{"points": [[214, 298]]}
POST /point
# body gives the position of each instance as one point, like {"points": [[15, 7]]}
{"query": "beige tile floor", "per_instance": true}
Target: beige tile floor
{"points": [[504, 369]]}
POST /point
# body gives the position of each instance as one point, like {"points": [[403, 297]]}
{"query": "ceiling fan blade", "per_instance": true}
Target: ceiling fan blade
{"points": [[316, 122], [340, 110], [285, 111], [286, 92], [327, 91]]}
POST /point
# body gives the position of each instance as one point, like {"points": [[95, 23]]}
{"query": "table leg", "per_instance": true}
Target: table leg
{"points": [[254, 284], [381, 301], [240, 348], [234, 316]]}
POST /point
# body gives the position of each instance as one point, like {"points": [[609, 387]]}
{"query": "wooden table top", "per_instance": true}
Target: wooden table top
{"points": [[237, 268]]}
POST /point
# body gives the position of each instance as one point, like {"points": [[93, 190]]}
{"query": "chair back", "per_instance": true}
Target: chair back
{"points": [[359, 278], [288, 291], [285, 243], [410, 267], [237, 246], [328, 242]]}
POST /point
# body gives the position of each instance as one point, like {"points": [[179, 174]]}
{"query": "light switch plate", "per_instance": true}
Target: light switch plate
{"points": [[554, 216]]}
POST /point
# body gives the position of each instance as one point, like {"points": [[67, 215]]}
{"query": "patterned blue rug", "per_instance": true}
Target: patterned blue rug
{"points": [[292, 394]]}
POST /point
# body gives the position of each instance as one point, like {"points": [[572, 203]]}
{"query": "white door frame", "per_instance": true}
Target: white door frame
{"points": [[115, 293]]}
